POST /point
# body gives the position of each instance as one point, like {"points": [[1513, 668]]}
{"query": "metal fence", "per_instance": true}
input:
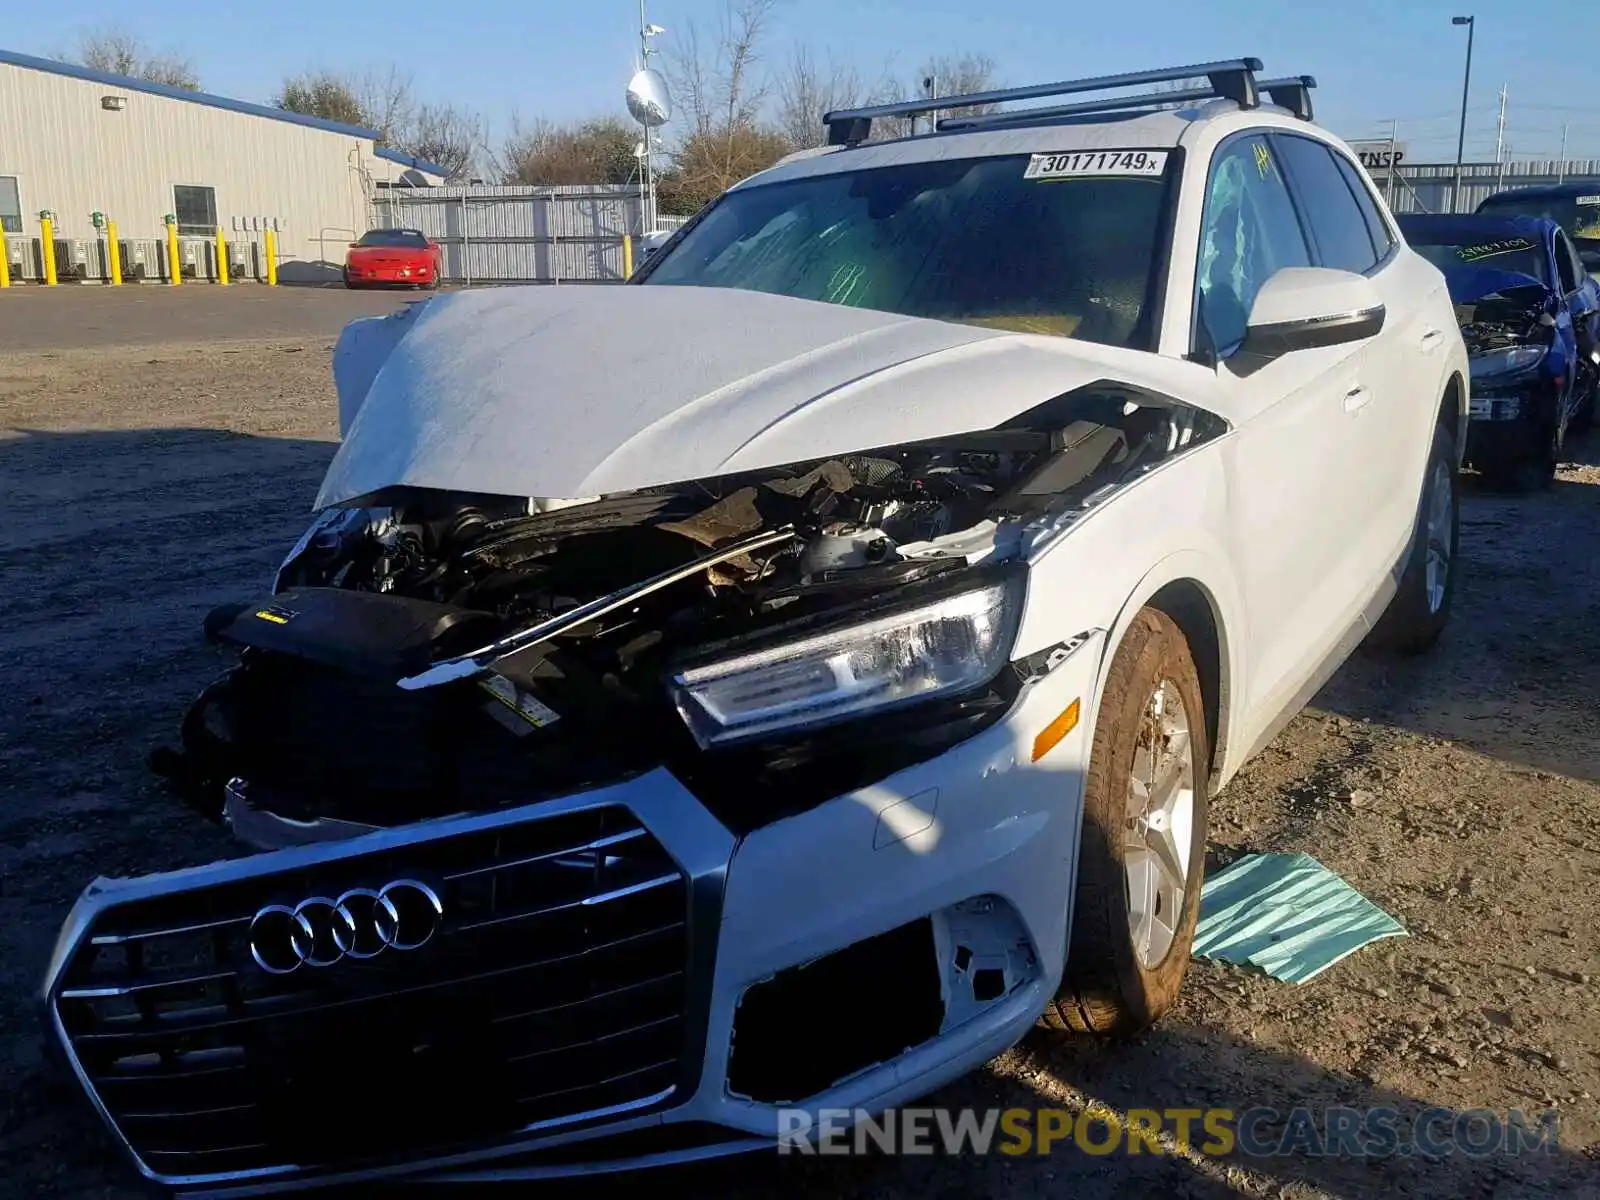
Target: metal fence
{"points": [[1427, 187], [516, 234]]}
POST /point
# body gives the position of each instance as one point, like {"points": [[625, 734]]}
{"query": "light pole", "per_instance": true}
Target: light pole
{"points": [[1466, 85]]}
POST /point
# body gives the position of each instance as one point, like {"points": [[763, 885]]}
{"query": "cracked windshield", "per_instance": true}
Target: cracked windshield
{"points": [[972, 240]]}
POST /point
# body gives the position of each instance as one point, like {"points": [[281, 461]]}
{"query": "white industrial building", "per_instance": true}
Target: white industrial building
{"points": [[77, 142]]}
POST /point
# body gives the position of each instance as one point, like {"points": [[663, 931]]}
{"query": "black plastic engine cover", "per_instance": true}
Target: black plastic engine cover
{"points": [[371, 634]]}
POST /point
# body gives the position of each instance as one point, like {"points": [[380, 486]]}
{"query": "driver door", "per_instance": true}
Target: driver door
{"points": [[1292, 468]]}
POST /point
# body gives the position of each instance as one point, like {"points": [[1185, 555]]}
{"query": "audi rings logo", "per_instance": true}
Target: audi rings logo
{"points": [[361, 923]]}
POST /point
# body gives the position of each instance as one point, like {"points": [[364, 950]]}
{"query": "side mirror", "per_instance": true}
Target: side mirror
{"points": [[354, 245], [1306, 308]]}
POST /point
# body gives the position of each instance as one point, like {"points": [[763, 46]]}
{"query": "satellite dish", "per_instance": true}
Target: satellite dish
{"points": [[649, 102], [410, 178]]}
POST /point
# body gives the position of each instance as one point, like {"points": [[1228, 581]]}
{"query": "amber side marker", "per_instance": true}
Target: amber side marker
{"points": [[1055, 731]]}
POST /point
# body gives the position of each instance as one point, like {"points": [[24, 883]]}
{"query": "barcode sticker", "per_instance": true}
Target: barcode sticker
{"points": [[1073, 164]]}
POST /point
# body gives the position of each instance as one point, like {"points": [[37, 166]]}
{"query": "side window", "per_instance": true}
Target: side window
{"points": [[1382, 240], [1572, 265], [1564, 271], [1337, 226], [1250, 232]]}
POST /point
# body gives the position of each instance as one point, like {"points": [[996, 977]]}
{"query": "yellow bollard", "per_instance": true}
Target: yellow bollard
{"points": [[271, 252], [222, 258], [5, 260], [174, 268], [47, 247], [113, 253], [627, 255]]}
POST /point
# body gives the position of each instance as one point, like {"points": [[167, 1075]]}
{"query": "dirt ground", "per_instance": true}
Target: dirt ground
{"points": [[145, 485]]}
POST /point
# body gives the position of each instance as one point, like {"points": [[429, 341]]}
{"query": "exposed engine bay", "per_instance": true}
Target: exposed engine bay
{"points": [[426, 653], [1511, 317]]}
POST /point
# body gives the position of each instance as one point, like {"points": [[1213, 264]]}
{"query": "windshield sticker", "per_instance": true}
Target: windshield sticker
{"points": [[1588, 201], [1078, 164], [1472, 254]]}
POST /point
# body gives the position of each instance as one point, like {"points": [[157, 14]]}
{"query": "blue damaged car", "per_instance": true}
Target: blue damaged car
{"points": [[1530, 317]]}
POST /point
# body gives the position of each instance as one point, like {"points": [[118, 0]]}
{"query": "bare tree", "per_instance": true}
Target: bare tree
{"points": [[595, 151], [807, 90], [388, 102], [721, 92], [942, 75], [715, 77], [446, 136], [121, 53]]}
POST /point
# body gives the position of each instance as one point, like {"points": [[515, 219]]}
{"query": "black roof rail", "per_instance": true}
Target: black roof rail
{"points": [[1292, 92], [1233, 79]]}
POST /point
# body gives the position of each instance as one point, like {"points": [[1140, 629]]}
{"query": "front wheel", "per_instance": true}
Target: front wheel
{"points": [[1417, 614], [1142, 854]]}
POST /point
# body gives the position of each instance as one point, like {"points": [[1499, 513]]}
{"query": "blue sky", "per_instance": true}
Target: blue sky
{"points": [[1374, 59]]}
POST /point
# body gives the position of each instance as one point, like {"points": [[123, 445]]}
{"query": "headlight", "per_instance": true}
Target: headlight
{"points": [[1506, 362], [936, 649]]}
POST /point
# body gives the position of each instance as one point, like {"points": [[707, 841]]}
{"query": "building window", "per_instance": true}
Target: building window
{"points": [[196, 209], [10, 205]]}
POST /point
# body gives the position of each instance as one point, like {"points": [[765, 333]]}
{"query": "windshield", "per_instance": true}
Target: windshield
{"points": [[1522, 255], [409, 238], [1020, 242], [1578, 215]]}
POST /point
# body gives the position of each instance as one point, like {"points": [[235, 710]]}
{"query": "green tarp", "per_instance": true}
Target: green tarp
{"points": [[1286, 914]]}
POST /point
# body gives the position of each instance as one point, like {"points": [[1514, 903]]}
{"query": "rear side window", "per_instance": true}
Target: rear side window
{"points": [[1337, 226], [1382, 242]]}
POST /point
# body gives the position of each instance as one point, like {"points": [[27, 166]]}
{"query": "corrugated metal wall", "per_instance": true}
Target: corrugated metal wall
{"points": [[74, 157], [1426, 187], [570, 234]]}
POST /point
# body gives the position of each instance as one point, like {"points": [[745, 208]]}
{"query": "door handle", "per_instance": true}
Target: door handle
{"points": [[1433, 339], [1356, 399]]}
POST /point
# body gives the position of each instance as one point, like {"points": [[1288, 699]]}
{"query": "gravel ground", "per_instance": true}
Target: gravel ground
{"points": [[143, 486]]}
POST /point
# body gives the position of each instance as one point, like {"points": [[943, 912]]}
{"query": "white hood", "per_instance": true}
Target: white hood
{"points": [[582, 391]]}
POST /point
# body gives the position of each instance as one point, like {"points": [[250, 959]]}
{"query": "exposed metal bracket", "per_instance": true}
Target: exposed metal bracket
{"points": [[476, 662]]}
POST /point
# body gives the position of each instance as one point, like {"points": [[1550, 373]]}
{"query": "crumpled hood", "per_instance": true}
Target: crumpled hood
{"points": [[559, 393], [1467, 284]]}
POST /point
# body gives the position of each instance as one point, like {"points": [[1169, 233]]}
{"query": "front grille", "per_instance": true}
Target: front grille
{"points": [[553, 988]]}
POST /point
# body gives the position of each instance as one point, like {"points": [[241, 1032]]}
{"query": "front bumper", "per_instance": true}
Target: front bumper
{"points": [[979, 844], [1509, 422]]}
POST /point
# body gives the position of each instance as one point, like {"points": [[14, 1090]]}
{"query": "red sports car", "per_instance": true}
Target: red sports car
{"points": [[393, 256]]}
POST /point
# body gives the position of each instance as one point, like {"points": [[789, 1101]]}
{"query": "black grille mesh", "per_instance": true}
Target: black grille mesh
{"points": [[554, 987]]}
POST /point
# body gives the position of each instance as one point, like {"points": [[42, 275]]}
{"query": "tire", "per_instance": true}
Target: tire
{"points": [[1534, 473], [1420, 609], [1112, 984]]}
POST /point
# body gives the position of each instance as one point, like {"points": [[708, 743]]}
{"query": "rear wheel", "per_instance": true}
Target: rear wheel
{"points": [[1417, 614], [1142, 854]]}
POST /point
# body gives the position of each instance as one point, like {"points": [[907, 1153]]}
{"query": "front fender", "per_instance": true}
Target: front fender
{"points": [[1168, 528]]}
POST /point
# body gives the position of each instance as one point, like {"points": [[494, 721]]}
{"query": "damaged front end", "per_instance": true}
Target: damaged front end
{"points": [[547, 783], [1515, 354], [772, 639]]}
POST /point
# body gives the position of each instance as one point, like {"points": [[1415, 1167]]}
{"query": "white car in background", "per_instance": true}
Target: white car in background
{"points": [[780, 683]]}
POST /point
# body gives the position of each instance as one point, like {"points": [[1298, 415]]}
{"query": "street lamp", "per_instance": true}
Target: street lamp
{"points": [[1466, 84]]}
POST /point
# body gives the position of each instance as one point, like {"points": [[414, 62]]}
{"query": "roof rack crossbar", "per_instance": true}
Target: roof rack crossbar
{"points": [[1025, 116], [1233, 79], [1292, 92]]}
